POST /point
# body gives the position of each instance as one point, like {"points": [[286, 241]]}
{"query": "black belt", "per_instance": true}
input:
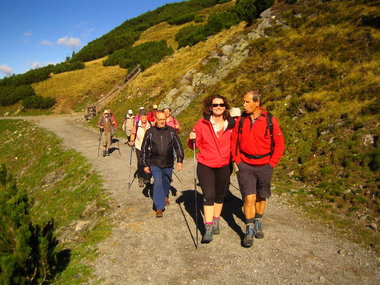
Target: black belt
{"points": [[255, 156]]}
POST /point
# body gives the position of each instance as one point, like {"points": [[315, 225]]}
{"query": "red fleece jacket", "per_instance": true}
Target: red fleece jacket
{"points": [[213, 152], [255, 140]]}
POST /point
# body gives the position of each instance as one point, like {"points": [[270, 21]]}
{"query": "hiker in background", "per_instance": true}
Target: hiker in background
{"points": [[114, 123], [235, 113], [105, 126], [137, 136], [128, 124], [137, 117], [170, 120], [212, 136], [152, 114], [257, 145], [158, 146]]}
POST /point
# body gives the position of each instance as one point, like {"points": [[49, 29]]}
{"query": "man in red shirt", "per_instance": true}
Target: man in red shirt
{"points": [[152, 114], [256, 150]]}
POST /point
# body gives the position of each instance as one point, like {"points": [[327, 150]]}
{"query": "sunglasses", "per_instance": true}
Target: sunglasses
{"points": [[220, 105]]}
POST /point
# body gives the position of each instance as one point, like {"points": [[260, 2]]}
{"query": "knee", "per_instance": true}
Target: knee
{"points": [[250, 199], [208, 200]]}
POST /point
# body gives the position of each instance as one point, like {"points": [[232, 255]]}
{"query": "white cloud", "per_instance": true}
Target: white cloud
{"points": [[5, 69], [69, 42], [36, 64], [46, 43], [26, 37]]}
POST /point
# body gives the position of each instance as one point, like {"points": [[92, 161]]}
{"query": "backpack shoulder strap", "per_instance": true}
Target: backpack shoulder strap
{"points": [[240, 127], [270, 127]]}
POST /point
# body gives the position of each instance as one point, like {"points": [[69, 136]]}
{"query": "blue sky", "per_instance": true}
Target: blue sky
{"points": [[35, 33]]}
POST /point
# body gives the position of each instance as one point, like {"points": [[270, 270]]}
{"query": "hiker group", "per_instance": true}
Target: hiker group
{"points": [[252, 143]]}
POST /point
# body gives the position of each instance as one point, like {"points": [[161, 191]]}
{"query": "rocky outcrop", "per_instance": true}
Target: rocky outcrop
{"points": [[216, 66]]}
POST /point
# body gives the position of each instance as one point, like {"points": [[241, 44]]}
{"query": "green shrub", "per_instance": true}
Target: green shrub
{"points": [[68, 66], [191, 35], [28, 253], [247, 11], [38, 102], [182, 19], [199, 18], [145, 55], [10, 95]]}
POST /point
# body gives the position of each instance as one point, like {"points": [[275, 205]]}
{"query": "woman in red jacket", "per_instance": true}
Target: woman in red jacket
{"points": [[212, 135]]}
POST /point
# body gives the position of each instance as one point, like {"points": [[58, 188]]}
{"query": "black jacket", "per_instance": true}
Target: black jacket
{"points": [[158, 145]]}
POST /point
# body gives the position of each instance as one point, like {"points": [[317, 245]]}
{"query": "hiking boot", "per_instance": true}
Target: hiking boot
{"points": [[258, 229], [141, 182], [108, 153], [159, 213], [248, 238], [207, 237], [104, 153], [216, 226], [167, 202]]}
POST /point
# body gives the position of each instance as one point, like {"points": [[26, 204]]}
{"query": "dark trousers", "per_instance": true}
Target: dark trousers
{"points": [[214, 183]]}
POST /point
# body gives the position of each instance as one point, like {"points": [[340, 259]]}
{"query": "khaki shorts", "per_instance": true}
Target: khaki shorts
{"points": [[255, 179], [106, 139]]}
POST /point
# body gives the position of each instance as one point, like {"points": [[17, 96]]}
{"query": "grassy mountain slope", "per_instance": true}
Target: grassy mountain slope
{"points": [[320, 77], [75, 89], [55, 179]]}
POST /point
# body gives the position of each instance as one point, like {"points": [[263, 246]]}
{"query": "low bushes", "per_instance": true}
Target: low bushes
{"points": [[38, 102], [145, 54], [10, 95]]}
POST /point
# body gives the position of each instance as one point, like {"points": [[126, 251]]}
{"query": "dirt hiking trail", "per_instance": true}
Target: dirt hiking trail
{"points": [[143, 249]]}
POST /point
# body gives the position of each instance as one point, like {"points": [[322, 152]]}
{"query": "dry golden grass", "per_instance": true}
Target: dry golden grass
{"points": [[162, 31], [162, 77], [74, 89]]}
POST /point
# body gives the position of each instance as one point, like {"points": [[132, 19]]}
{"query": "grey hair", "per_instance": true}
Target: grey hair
{"points": [[256, 95]]}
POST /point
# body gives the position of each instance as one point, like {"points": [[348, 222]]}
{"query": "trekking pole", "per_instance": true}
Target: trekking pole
{"points": [[195, 198], [175, 174], [100, 138], [130, 166]]}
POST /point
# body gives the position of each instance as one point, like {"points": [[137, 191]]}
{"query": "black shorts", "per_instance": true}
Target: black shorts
{"points": [[255, 179]]}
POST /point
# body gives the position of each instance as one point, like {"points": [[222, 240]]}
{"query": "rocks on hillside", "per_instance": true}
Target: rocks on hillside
{"points": [[217, 65]]}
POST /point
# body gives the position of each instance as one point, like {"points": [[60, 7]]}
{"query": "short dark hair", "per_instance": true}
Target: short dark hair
{"points": [[143, 112], [208, 102]]}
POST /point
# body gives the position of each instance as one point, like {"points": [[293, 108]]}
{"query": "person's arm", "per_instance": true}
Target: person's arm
{"points": [[146, 150], [234, 148], [279, 144], [178, 147], [133, 135], [100, 124]]}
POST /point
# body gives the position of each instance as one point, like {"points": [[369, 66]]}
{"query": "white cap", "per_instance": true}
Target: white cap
{"points": [[130, 111], [155, 107], [105, 112], [142, 108], [235, 112]]}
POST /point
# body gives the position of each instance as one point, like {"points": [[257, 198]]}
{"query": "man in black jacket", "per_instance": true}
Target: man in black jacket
{"points": [[158, 148]]}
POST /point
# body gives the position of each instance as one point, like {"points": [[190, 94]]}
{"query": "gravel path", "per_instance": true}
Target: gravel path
{"points": [[145, 250]]}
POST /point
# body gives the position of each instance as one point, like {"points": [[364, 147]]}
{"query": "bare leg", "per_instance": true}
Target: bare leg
{"points": [[249, 206]]}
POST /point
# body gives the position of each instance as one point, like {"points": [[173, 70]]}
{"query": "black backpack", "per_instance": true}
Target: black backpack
{"points": [[269, 117]]}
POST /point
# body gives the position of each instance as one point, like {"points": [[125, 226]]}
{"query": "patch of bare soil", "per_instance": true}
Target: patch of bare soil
{"points": [[146, 250]]}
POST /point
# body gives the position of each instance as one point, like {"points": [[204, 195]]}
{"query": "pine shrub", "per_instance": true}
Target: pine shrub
{"points": [[28, 252]]}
